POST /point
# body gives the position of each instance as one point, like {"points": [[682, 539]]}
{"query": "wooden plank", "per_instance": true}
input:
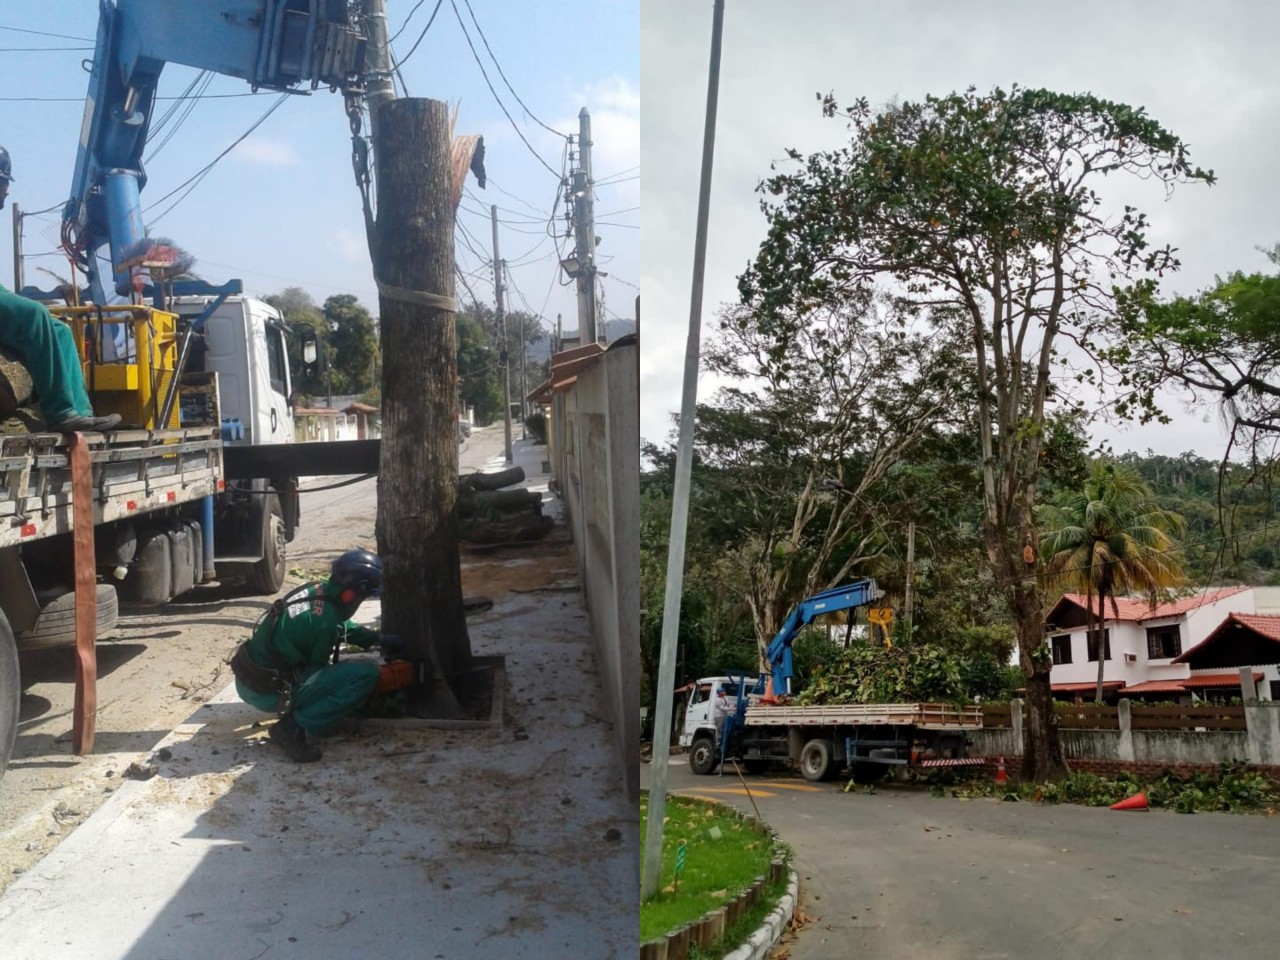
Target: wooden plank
{"points": [[1189, 723], [85, 716], [1212, 710]]}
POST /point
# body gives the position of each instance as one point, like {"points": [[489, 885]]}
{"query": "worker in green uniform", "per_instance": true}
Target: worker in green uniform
{"points": [[289, 664], [48, 351]]}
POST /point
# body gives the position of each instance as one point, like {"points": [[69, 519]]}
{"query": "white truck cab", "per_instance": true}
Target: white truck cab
{"points": [[244, 344], [699, 713]]}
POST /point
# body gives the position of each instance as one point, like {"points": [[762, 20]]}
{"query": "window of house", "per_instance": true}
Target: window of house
{"points": [[1106, 645], [1061, 648], [1164, 642]]}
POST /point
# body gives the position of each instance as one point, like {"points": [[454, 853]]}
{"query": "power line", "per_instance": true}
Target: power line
{"points": [[614, 183], [186, 109], [41, 49], [420, 36], [485, 40], [396, 36], [42, 33], [207, 96], [619, 173], [514, 126], [614, 213], [195, 179], [539, 212]]}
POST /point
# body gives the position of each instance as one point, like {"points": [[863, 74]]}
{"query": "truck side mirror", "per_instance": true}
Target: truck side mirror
{"points": [[312, 358]]}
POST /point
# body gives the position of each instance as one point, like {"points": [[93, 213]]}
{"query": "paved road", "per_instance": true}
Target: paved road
{"points": [[904, 874]]}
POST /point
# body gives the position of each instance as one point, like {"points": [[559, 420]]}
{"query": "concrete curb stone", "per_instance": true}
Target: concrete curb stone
{"points": [[775, 924]]}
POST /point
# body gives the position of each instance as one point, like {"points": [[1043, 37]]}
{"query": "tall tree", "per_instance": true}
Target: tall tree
{"points": [[353, 338], [982, 213], [478, 384], [800, 444], [1109, 539]]}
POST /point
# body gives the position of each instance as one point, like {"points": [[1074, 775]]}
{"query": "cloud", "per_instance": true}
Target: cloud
{"points": [[267, 152]]}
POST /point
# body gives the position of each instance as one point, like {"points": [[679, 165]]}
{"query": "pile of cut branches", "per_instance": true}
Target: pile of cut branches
{"points": [[866, 674]]}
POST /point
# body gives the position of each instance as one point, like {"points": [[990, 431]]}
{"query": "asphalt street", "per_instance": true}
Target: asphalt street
{"points": [[900, 873]]}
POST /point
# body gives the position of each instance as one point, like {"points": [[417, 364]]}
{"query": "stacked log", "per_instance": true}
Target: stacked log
{"points": [[489, 514]]}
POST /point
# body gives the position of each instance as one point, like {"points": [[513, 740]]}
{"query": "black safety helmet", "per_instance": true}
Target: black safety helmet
{"points": [[358, 570], [6, 169]]}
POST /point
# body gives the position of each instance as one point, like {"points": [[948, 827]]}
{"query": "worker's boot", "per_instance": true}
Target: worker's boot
{"points": [[294, 741]]}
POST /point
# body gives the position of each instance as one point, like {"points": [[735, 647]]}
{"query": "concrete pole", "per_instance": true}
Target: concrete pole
{"points": [[524, 370], [911, 575], [379, 87], [585, 231], [502, 325], [652, 873]]}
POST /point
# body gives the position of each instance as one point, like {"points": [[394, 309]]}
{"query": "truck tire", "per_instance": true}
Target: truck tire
{"points": [[816, 763], [10, 692], [267, 576], [56, 625], [702, 756]]}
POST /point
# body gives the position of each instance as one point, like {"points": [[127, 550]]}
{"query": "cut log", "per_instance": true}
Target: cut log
{"points": [[15, 383], [489, 503], [506, 530], [491, 481]]}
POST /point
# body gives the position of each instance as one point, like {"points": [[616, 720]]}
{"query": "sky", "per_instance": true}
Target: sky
{"points": [[282, 208], [1205, 71]]}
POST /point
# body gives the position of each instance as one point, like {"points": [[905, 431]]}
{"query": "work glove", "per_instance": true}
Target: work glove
{"points": [[392, 646]]}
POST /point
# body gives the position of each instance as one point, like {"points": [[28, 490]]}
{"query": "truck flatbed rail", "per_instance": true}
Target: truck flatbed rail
{"points": [[134, 472], [927, 716]]}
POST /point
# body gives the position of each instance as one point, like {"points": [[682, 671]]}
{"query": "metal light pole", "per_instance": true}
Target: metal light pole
{"points": [[652, 873]]}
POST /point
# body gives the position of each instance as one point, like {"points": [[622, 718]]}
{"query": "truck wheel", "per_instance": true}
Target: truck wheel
{"points": [[10, 692], [815, 761], [56, 625], [702, 756], [267, 575]]}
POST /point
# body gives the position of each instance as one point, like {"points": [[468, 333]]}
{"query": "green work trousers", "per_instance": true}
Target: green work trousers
{"points": [[325, 697], [48, 351]]}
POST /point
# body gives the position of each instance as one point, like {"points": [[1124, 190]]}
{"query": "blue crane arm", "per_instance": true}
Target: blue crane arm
{"points": [[856, 594], [276, 44]]}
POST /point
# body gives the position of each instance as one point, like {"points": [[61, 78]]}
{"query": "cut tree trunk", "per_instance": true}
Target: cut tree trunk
{"points": [[491, 481], [418, 482], [506, 530], [15, 383], [494, 502]]}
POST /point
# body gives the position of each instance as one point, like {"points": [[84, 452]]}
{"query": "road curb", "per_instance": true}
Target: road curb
{"points": [[775, 924]]}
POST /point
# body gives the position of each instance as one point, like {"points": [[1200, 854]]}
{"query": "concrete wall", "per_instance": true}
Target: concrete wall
{"points": [[1259, 744], [595, 458]]}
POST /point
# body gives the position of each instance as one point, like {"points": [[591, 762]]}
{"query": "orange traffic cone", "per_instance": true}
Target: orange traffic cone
{"points": [[768, 691], [1137, 802], [1002, 775]]}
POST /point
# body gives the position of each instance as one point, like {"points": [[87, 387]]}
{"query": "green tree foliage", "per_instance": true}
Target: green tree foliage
{"points": [[353, 338], [298, 310], [1222, 344], [1110, 539], [980, 212], [478, 385]]}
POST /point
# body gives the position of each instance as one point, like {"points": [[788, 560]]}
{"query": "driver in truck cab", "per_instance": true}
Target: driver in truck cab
{"points": [[48, 351]]}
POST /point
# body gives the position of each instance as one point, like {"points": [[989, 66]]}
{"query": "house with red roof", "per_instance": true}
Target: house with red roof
{"points": [[1163, 651]]}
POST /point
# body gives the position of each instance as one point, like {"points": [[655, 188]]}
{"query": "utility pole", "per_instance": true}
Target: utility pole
{"points": [[649, 880], [17, 248], [524, 370], [584, 228], [377, 61], [502, 325], [559, 334], [911, 574]]}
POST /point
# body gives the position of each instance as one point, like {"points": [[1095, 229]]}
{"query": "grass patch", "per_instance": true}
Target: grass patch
{"points": [[716, 868]]}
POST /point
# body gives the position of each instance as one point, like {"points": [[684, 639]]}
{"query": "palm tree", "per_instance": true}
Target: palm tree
{"points": [[1109, 539]]}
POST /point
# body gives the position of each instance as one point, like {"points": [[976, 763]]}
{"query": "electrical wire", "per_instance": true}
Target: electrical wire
{"points": [[394, 38], [485, 41], [41, 49], [514, 126], [186, 108], [194, 181], [207, 96], [432, 20], [42, 33], [539, 212]]}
